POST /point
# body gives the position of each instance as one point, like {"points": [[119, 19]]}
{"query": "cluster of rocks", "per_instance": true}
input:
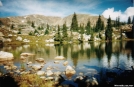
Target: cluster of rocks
{"points": [[59, 78]]}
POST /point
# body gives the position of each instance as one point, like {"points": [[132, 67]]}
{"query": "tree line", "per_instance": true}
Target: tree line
{"points": [[62, 31]]}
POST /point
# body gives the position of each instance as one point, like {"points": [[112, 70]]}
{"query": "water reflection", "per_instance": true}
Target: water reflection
{"points": [[87, 55]]}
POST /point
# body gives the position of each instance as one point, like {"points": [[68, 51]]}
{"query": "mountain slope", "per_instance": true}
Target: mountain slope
{"points": [[24, 22]]}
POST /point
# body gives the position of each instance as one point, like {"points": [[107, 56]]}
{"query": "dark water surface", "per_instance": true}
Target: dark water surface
{"points": [[88, 58]]}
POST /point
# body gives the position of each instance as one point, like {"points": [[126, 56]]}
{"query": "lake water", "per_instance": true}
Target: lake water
{"points": [[88, 58]]}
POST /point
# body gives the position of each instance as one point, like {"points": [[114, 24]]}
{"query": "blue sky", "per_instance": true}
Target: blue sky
{"points": [[62, 8]]}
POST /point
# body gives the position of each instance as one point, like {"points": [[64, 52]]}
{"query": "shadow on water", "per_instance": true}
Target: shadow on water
{"points": [[130, 46]]}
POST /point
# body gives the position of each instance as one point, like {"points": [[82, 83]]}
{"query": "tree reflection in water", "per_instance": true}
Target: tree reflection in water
{"points": [[108, 55]]}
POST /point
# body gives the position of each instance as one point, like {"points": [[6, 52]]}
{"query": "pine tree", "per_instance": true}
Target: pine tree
{"points": [[74, 24], [129, 20], [108, 32], [33, 25], [102, 25], [133, 20], [47, 26], [98, 24], [118, 22], [81, 31], [12, 26], [88, 28], [36, 32], [47, 30], [19, 32], [58, 35], [65, 35], [133, 27]]}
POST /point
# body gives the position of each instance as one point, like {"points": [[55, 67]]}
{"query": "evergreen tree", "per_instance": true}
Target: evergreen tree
{"points": [[31, 33], [65, 35], [133, 20], [88, 28], [12, 26], [81, 31], [102, 25], [108, 32], [74, 24], [33, 25], [19, 32], [36, 32], [114, 24], [40, 28], [118, 22], [98, 24], [58, 35], [129, 20], [47, 26], [47, 30]]}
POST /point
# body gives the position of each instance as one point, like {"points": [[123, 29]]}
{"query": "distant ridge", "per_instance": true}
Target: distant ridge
{"points": [[24, 22]]}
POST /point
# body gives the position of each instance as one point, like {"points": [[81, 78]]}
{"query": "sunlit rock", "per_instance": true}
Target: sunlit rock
{"points": [[26, 40], [37, 67], [57, 73], [7, 67], [4, 56], [23, 57], [49, 73], [94, 82], [19, 38], [10, 35], [50, 44], [59, 58], [17, 71], [49, 78], [43, 77], [49, 68], [81, 74], [27, 54], [69, 71], [14, 67], [65, 63], [49, 40], [29, 63], [56, 62], [40, 60], [10, 67], [24, 72], [40, 73]]}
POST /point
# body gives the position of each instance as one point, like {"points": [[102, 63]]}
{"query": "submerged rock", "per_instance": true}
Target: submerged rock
{"points": [[69, 71], [37, 67], [4, 56], [41, 73], [65, 63], [40, 60], [56, 62], [27, 54], [49, 73]]}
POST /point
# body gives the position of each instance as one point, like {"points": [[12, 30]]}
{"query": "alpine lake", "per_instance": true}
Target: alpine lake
{"points": [[89, 58]]}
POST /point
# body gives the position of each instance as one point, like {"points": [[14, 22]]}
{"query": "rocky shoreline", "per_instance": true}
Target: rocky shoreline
{"points": [[34, 76]]}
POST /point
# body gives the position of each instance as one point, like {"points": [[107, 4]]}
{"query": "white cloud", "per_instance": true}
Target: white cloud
{"points": [[1, 3], [123, 15]]}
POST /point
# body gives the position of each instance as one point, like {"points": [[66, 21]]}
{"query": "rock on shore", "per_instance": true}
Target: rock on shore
{"points": [[4, 56]]}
